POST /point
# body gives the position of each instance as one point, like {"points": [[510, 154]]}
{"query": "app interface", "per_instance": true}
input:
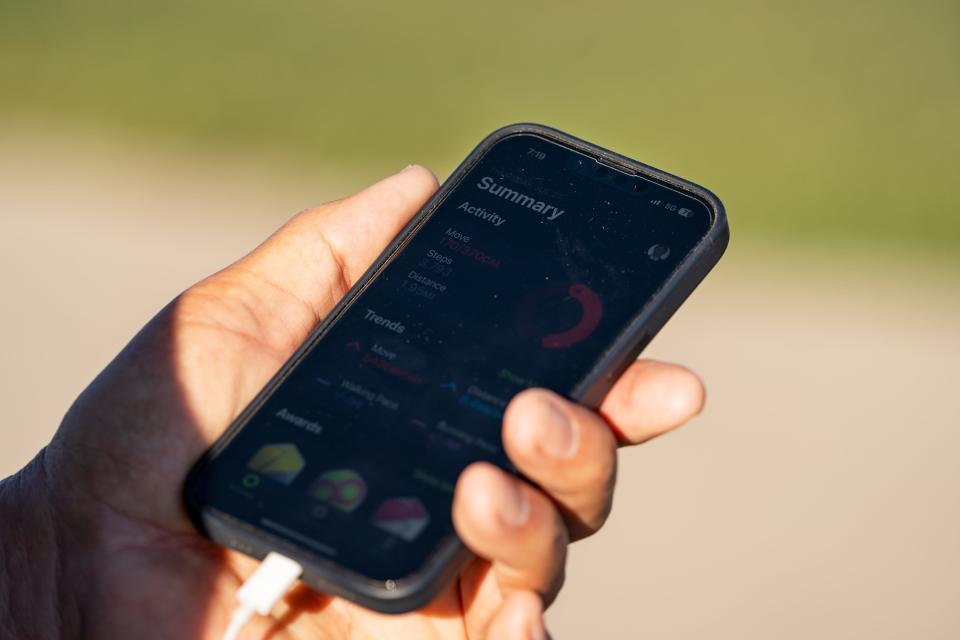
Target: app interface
{"points": [[523, 276]]}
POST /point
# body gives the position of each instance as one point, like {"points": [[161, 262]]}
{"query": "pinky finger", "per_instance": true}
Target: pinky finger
{"points": [[520, 618]]}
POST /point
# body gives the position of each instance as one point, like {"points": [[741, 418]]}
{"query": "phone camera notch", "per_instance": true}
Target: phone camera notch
{"points": [[621, 178]]}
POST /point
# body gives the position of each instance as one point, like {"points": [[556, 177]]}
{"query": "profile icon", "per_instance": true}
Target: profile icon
{"points": [[658, 252]]}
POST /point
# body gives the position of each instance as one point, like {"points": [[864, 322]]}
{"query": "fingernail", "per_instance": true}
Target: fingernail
{"points": [[408, 168], [558, 436], [515, 507]]}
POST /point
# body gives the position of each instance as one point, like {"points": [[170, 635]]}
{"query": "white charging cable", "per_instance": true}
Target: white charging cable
{"points": [[262, 590]]}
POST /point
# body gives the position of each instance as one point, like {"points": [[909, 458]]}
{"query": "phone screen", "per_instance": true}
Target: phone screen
{"points": [[525, 274]]}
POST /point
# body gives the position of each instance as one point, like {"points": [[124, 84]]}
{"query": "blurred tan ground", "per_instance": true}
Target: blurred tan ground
{"points": [[818, 495]]}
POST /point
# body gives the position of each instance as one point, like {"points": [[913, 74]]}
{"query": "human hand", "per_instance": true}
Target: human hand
{"points": [[99, 544]]}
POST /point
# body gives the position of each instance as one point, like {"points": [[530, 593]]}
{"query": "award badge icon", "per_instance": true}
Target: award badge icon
{"points": [[342, 489], [281, 462], [403, 517]]}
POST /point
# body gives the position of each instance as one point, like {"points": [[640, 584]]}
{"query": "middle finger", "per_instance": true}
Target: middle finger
{"points": [[568, 451]]}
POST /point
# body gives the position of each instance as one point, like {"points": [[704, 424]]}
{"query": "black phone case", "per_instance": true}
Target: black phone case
{"points": [[414, 591]]}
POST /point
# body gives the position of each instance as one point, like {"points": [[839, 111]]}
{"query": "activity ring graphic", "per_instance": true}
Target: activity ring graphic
{"points": [[592, 311]]}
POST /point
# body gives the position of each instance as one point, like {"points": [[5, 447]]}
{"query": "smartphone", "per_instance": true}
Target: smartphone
{"points": [[543, 261]]}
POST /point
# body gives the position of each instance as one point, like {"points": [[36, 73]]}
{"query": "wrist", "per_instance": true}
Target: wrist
{"points": [[32, 558]]}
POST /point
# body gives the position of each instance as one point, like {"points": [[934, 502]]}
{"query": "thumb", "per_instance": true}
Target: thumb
{"points": [[296, 276]]}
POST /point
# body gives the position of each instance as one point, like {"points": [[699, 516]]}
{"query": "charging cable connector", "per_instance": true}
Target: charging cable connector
{"points": [[262, 590]]}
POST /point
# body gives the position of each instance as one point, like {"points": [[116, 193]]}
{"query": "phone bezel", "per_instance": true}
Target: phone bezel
{"points": [[411, 592]]}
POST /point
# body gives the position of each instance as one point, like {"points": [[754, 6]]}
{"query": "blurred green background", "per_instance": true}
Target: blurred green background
{"points": [[821, 124]]}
